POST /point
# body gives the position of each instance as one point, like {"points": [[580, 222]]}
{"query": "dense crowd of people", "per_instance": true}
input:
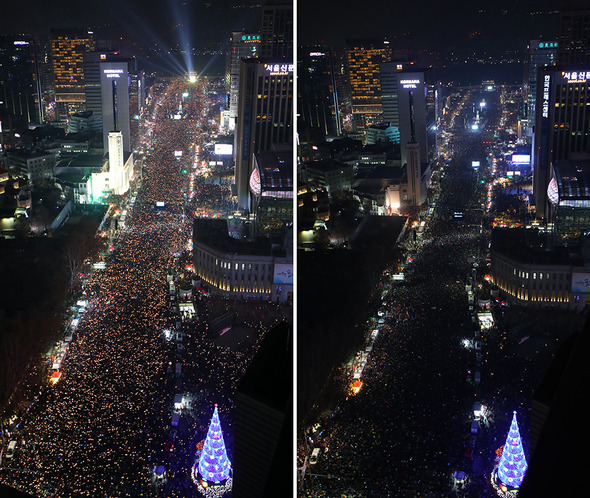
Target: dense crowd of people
{"points": [[408, 430], [102, 429]]}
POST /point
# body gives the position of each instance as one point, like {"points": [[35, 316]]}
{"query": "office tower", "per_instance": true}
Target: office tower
{"points": [[67, 55], [92, 91], [541, 53], [574, 35], [364, 59], [264, 116], [136, 100], [114, 86], [263, 439], [318, 110], [411, 96], [389, 73], [20, 85], [242, 45], [562, 128], [276, 31], [414, 174]]}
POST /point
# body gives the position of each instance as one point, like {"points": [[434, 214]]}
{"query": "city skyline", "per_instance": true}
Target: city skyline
{"points": [[466, 25]]}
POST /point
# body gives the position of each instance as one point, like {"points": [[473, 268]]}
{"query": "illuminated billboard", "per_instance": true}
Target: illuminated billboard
{"points": [[224, 149], [546, 87], [278, 69], [113, 73], [410, 83], [475, 164], [521, 158], [575, 76], [581, 283], [283, 273]]}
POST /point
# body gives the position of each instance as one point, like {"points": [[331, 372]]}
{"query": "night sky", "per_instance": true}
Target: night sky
{"points": [[430, 25], [140, 20]]}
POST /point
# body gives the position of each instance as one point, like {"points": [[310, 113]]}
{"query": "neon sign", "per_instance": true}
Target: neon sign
{"points": [[576, 76], [409, 83], [113, 73], [278, 69], [548, 45], [546, 83]]}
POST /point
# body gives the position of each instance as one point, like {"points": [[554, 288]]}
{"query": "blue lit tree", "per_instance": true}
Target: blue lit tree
{"points": [[214, 466], [512, 466]]}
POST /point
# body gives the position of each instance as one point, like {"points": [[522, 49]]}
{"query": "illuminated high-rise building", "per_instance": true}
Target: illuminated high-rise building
{"points": [[364, 59], [276, 30], [562, 125], [411, 96], [242, 45], [541, 53], [67, 56], [92, 78], [265, 116], [388, 76], [114, 87]]}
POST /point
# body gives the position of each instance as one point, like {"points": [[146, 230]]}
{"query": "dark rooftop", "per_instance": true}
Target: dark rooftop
{"points": [[214, 233], [529, 246], [269, 377], [276, 170], [573, 179]]}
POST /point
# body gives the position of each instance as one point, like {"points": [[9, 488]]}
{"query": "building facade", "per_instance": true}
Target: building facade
{"points": [[114, 88], [271, 185], [574, 36], [562, 129], [67, 56], [240, 269], [265, 116], [318, 110], [538, 277], [20, 85], [364, 59], [276, 30], [411, 95], [242, 45], [541, 54]]}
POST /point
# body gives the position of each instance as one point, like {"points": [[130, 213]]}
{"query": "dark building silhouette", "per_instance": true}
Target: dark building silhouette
{"points": [[20, 88], [559, 433], [574, 34], [317, 102], [263, 440], [276, 31]]}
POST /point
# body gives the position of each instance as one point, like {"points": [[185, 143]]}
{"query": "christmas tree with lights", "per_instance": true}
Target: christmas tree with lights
{"points": [[214, 466], [512, 466]]}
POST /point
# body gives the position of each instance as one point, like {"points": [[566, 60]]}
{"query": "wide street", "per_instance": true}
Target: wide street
{"points": [[102, 429], [409, 427]]}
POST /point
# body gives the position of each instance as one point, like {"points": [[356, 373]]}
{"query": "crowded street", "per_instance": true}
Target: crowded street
{"points": [[108, 426], [432, 392]]}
